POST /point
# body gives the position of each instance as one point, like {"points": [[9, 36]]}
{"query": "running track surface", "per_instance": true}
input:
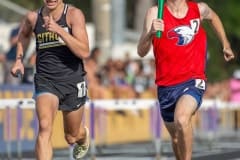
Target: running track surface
{"points": [[214, 150]]}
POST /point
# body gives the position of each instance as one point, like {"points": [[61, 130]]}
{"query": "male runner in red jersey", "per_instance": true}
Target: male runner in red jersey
{"points": [[180, 57]]}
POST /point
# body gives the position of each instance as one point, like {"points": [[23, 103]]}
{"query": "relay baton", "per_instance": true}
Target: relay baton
{"points": [[160, 15]]}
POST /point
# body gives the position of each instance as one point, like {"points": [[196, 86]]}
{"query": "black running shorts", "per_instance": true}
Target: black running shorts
{"points": [[72, 93]]}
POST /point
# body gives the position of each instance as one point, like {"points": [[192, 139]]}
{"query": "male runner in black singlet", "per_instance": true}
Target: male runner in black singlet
{"points": [[61, 45]]}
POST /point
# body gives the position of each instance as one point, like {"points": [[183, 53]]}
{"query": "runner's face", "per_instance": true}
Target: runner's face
{"points": [[52, 4]]}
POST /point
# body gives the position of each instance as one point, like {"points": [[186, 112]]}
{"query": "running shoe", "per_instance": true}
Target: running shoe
{"points": [[80, 150]]}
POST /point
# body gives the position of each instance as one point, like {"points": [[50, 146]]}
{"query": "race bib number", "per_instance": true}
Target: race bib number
{"points": [[200, 84], [82, 89]]}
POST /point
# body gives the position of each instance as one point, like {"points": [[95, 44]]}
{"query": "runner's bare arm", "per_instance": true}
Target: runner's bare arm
{"points": [[208, 14], [25, 32], [78, 41], [24, 37], [145, 40]]}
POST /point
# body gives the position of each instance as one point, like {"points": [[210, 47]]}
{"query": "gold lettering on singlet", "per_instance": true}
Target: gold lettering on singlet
{"points": [[48, 40], [52, 36], [39, 38], [47, 37]]}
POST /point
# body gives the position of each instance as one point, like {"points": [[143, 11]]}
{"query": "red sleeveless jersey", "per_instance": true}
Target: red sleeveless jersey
{"points": [[180, 53]]}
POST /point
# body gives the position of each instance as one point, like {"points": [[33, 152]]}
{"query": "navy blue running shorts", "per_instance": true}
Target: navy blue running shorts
{"points": [[168, 96], [72, 93]]}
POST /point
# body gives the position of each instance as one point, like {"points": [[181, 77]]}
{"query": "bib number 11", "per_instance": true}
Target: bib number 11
{"points": [[82, 89]]}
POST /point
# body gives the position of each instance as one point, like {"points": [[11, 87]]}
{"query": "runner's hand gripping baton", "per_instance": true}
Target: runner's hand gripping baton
{"points": [[160, 15]]}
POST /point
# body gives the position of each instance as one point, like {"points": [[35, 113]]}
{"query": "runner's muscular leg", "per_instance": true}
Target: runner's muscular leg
{"points": [[46, 108], [74, 131], [185, 108], [171, 127]]}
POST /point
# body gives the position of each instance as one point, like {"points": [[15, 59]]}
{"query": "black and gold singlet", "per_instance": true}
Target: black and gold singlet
{"points": [[54, 59]]}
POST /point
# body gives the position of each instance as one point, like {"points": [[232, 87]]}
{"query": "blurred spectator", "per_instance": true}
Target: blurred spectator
{"points": [[10, 57], [234, 86], [95, 53], [99, 91], [224, 94], [131, 67], [96, 87], [123, 89], [91, 65], [140, 81]]}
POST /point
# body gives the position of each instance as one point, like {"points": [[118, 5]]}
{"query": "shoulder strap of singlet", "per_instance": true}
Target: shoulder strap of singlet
{"points": [[40, 11], [39, 15], [65, 9]]}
